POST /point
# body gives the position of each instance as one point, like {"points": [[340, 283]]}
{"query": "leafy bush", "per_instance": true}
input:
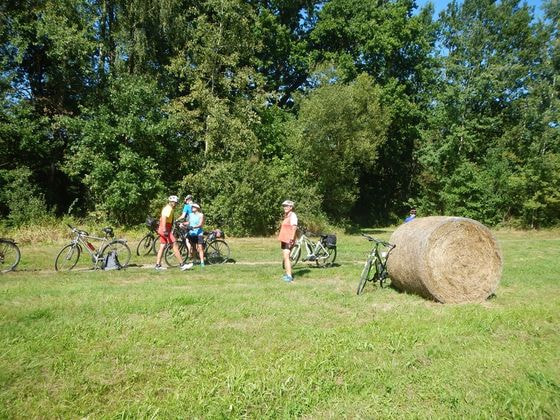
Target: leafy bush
{"points": [[21, 198], [245, 197]]}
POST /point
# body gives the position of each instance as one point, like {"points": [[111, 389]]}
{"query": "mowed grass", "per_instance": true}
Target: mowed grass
{"points": [[236, 341]]}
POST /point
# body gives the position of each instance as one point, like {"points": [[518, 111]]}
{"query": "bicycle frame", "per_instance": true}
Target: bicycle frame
{"points": [[311, 248], [82, 239], [376, 260]]}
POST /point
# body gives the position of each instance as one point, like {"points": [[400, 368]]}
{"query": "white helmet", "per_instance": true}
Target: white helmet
{"points": [[288, 203], [173, 198]]}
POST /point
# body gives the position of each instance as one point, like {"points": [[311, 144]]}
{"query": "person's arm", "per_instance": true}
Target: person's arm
{"points": [[163, 225], [294, 222]]}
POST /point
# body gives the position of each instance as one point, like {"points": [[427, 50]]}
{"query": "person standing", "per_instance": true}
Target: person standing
{"points": [[411, 216], [287, 237], [187, 209], [196, 238], [165, 232]]}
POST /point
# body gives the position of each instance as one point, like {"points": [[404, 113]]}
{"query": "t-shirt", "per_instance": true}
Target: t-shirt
{"points": [[288, 226], [167, 212], [187, 209], [194, 220]]}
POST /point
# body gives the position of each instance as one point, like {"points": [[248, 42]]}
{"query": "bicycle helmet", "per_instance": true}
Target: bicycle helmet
{"points": [[173, 198], [288, 203]]}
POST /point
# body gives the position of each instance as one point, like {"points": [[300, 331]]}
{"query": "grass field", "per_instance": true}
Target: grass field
{"points": [[236, 341]]}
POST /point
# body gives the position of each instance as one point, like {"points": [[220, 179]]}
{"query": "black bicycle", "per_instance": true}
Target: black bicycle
{"points": [[9, 255], [147, 244], [216, 250], [375, 268]]}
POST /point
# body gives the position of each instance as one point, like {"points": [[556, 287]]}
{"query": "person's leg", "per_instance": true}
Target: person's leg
{"points": [[177, 253], [200, 248], [287, 262], [160, 253]]}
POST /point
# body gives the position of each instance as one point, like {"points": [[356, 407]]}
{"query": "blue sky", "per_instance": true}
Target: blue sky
{"points": [[439, 5]]}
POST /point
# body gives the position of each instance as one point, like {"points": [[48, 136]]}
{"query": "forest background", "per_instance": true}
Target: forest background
{"points": [[355, 109]]}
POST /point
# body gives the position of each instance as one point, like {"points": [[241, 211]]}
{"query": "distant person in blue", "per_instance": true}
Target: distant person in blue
{"points": [[187, 207], [187, 210], [196, 238], [411, 216]]}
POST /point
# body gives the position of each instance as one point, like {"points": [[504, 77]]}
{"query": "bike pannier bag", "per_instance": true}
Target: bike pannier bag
{"points": [[111, 261], [330, 241], [151, 222]]}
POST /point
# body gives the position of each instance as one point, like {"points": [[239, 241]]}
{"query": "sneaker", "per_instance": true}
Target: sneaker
{"points": [[202, 263], [287, 278], [158, 267], [186, 266]]}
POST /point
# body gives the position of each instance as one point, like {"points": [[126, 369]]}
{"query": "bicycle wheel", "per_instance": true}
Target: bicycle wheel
{"points": [[325, 256], [384, 280], [217, 252], [122, 250], [9, 256], [364, 278], [170, 255], [67, 258], [146, 246], [295, 253]]}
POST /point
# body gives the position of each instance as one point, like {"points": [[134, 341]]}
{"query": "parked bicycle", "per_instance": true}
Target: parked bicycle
{"points": [[69, 255], [375, 268], [216, 250], [9, 255], [322, 252], [147, 244]]}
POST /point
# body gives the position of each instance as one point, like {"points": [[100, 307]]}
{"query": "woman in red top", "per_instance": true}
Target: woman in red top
{"points": [[287, 237]]}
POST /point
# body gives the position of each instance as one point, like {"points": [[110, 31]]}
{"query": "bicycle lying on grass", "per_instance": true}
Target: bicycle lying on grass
{"points": [[9, 255], [216, 250], [68, 256], [322, 252], [375, 268], [147, 244]]}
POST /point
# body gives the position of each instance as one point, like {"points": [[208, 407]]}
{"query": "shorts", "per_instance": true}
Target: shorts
{"points": [[196, 239], [285, 245], [167, 239]]}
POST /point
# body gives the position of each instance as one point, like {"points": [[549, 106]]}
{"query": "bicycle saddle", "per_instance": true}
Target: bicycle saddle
{"points": [[108, 231]]}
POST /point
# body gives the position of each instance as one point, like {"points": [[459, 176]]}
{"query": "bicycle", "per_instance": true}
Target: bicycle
{"points": [[216, 249], [322, 252], [377, 260], [69, 255], [9, 255], [147, 244]]}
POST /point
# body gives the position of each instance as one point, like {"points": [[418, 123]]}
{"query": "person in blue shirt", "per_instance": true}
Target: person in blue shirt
{"points": [[187, 207], [196, 238], [411, 216]]}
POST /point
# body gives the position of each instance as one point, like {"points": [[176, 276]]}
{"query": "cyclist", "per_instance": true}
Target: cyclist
{"points": [[187, 209], [196, 238], [166, 235], [411, 216], [287, 237]]}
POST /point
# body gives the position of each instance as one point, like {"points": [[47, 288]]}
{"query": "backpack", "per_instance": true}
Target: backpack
{"points": [[330, 241], [111, 261]]}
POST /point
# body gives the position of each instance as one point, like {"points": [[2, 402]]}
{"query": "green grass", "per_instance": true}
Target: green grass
{"points": [[236, 341]]}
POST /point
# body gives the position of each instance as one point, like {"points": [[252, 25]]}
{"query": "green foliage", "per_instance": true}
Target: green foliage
{"points": [[336, 137], [245, 196], [21, 198], [120, 150], [113, 104]]}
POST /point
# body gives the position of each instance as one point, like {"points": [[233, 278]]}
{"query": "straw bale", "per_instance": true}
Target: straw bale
{"points": [[447, 259]]}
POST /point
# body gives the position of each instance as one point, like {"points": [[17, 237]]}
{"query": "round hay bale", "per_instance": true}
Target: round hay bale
{"points": [[448, 259]]}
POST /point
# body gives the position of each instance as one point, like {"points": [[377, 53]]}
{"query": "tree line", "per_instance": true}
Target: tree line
{"points": [[355, 109]]}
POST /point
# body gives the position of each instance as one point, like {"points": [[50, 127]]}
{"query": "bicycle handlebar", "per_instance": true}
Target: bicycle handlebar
{"points": [[378, 241], [76, 230]]}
